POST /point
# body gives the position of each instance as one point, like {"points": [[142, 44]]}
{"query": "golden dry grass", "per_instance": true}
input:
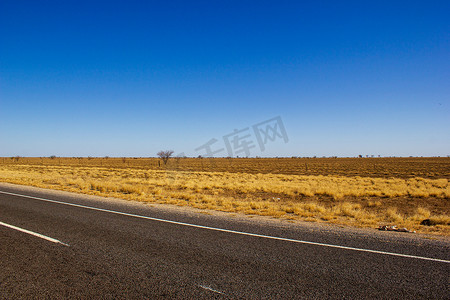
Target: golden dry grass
{"points": [[355, 200], [411, 167]]}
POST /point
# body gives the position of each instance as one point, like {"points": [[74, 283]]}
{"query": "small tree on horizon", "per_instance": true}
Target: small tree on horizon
{"points": [[165, 155]]}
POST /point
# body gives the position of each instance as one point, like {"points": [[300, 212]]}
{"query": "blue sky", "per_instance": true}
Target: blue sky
{"points": [[129, 78]]}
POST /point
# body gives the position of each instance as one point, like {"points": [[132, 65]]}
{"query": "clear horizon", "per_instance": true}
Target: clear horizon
{"points": [[127, 79]]}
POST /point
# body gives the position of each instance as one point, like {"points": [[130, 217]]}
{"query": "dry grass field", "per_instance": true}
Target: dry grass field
{"points": [[363, 192]]}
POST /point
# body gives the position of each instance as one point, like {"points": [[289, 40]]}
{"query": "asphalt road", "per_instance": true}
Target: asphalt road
{"points": [[109, 255]]}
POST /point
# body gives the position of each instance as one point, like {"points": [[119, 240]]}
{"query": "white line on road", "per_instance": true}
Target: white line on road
{"points": [[233, 231], [210, 289], [34, 233]]}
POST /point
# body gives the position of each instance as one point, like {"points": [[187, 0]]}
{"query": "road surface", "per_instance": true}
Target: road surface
{"points": [[61, 245]]}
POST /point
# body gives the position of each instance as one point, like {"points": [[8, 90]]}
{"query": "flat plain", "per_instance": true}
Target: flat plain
{"points": [[360, 192]]}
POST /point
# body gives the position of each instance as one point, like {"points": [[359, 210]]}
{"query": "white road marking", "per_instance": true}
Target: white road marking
{"points": [[34, 233], [210, 289], [233, 231]]}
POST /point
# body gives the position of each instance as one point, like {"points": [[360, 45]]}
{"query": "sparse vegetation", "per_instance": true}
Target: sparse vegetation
{"points": [[358, 200]]}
